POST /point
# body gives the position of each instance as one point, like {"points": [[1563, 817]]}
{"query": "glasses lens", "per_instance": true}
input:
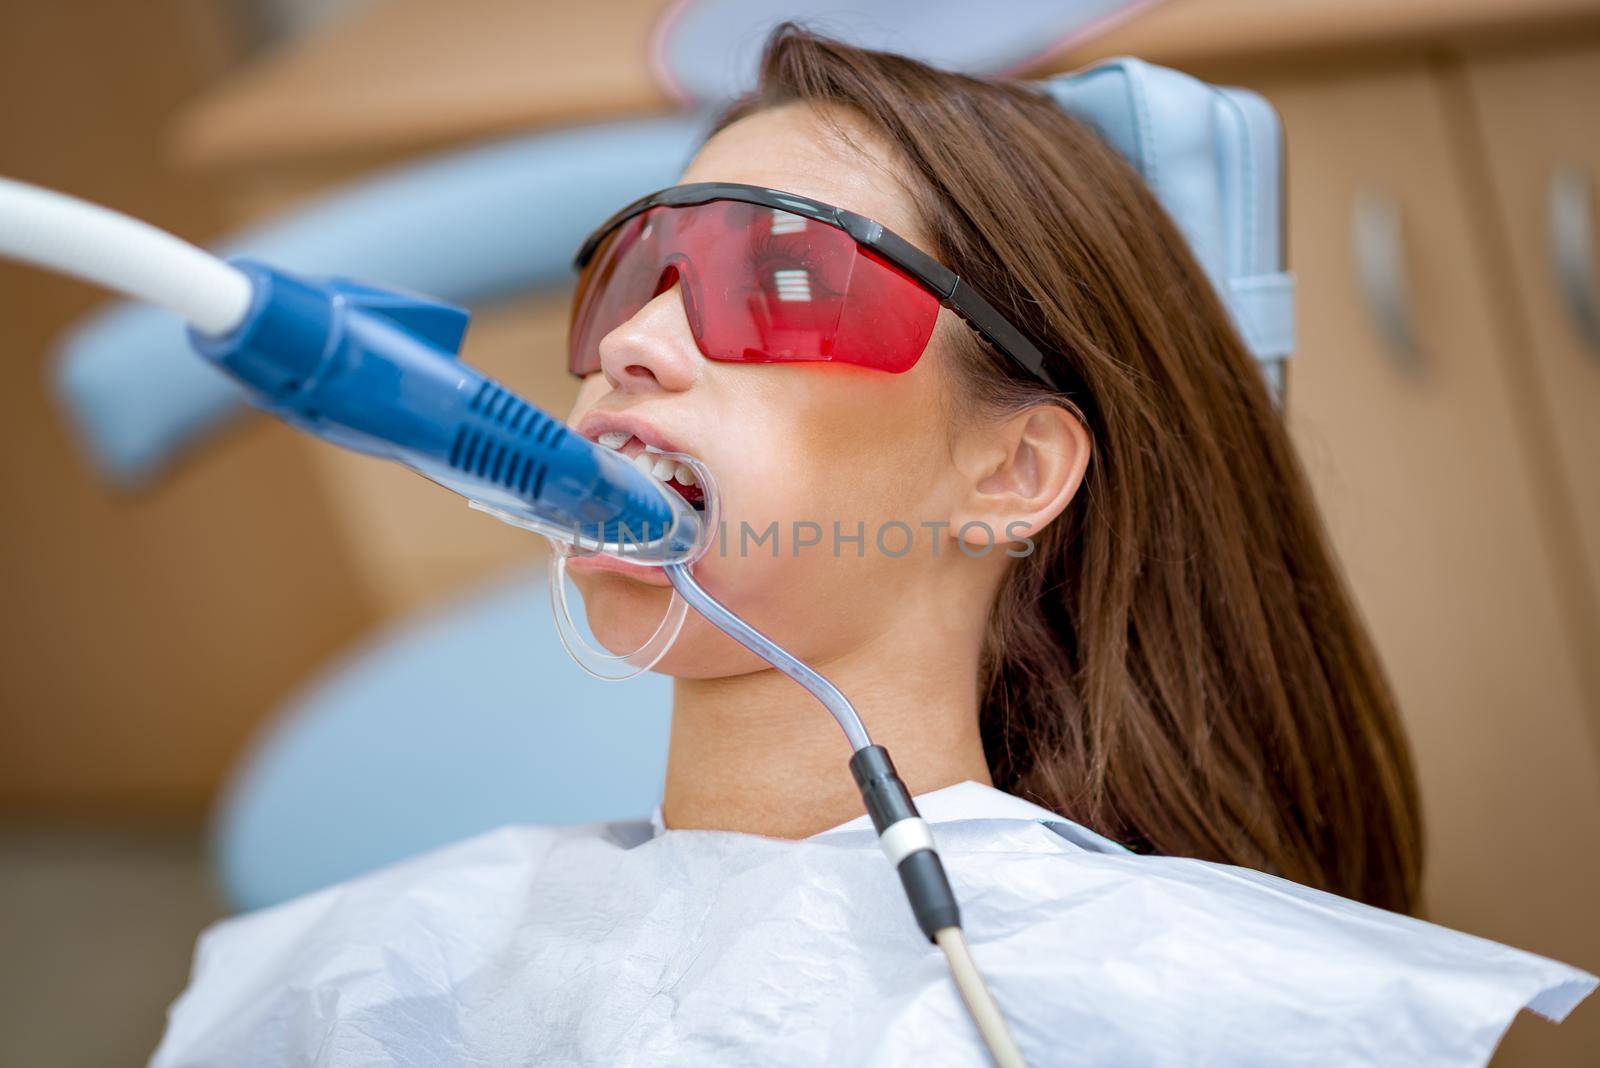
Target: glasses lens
{"points": [[796, 289], [760, 285], [612, 288]]}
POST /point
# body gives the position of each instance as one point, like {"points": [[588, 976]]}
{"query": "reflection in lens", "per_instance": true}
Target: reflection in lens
{"points": [[792, 285], [786, 222]]}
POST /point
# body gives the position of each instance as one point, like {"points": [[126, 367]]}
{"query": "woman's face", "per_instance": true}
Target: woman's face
{"points": [[798, 447]]}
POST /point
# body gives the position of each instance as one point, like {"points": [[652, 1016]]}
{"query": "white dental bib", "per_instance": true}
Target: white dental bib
{"points": [[618, 944]]}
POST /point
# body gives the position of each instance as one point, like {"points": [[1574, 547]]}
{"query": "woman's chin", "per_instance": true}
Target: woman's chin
{"points": [[704, 652], [622, 611]]}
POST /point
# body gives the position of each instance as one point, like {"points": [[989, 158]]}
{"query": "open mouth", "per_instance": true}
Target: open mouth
{"points": [[649, 459]]}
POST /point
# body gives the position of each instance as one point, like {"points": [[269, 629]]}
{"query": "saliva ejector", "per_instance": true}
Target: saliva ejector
{"points": [[375, 371]]}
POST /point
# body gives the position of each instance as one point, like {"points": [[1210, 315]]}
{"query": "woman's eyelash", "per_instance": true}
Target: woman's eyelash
{"points": [[794, 275], [765, 243]]}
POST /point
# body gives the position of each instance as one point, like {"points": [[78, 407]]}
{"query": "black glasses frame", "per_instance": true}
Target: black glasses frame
{"points": [[926, 271]]}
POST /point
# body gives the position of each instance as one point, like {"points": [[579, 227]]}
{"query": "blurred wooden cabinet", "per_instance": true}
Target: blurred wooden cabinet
{"points": [[143, 637], [1415, 437], [1539, 118]]}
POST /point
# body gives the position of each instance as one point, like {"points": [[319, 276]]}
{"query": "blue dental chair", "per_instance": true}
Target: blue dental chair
{"points": [[468, 718], [473, 716]]}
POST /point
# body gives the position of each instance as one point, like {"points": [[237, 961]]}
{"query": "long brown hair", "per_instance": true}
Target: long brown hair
{"points": [[1179, 664]]}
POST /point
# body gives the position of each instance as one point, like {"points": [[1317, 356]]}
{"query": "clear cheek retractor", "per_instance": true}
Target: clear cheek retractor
{"points": [[637, 547]]}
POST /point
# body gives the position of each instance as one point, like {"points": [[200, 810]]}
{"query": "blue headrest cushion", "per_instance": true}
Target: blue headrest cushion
{"points": [[1213, 157]]}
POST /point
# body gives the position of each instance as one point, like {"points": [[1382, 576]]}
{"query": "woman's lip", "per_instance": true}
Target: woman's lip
{"points": [[595, 423], [591, 563]]}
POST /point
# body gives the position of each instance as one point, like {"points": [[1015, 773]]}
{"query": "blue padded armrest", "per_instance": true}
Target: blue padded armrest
{"points": [[1214, 159]]}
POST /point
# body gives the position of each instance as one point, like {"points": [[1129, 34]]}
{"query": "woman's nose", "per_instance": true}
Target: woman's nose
{"points": [[654, 350]]}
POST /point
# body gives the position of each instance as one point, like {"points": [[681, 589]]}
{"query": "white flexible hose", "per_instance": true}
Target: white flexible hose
{"points": [[980, 1003], [99, 245]]}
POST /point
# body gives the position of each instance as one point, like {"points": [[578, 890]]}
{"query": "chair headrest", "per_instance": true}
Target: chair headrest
{"points": [[1213, 156]]}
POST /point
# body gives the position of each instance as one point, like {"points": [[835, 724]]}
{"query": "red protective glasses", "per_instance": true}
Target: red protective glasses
{"points": [[770, 277]]}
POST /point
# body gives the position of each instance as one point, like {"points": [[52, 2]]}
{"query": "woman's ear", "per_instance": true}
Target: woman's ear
{"points": [[1018, 473]]}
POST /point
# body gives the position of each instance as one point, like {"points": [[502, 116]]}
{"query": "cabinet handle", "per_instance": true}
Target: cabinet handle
{"points": [[1378, 240], [1571, 221]]}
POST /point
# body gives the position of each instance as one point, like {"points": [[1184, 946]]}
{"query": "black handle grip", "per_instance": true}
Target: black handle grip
{"points": [[922, 873]]}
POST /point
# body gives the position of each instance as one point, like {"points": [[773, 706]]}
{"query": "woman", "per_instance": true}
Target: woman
{"points": [[1107, 601], [1176, 664]]}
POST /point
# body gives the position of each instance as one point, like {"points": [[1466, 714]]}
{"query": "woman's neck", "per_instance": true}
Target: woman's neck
{"points": [[755, 753]]}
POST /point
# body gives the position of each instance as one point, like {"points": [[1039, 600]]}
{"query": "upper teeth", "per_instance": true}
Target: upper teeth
{"points": [[650, 461]]}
